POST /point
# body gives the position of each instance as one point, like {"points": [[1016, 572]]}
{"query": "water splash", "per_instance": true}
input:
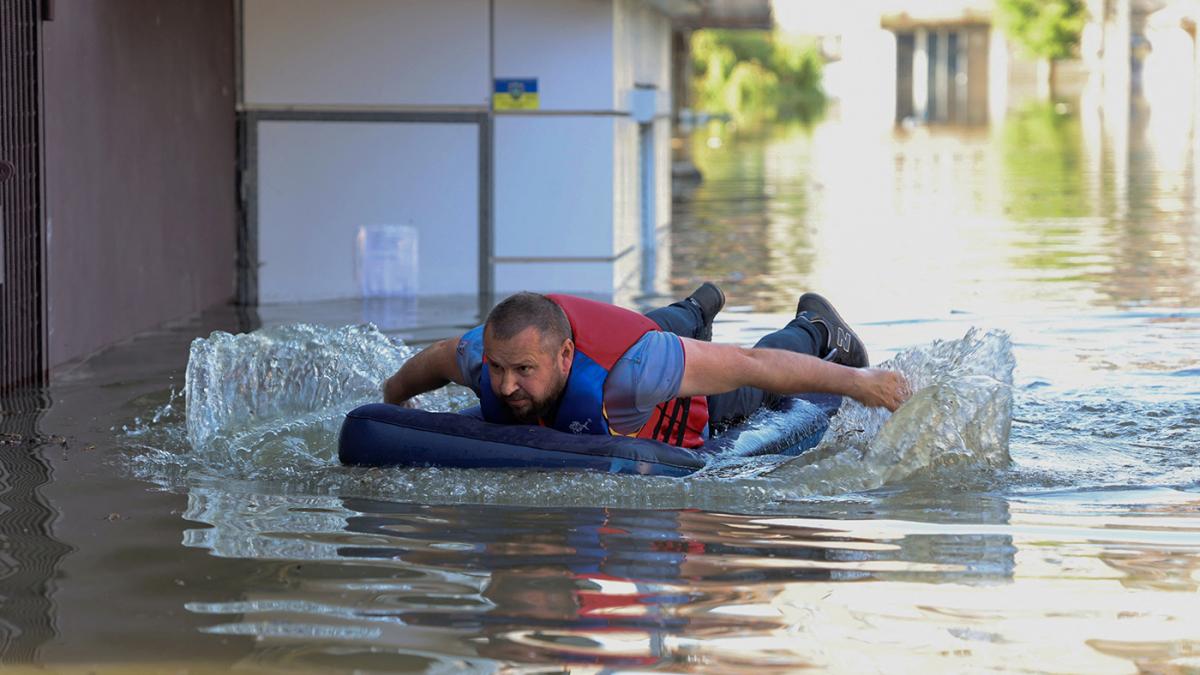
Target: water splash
{"points": [[960, 416], [276, 397], [275, 373]]}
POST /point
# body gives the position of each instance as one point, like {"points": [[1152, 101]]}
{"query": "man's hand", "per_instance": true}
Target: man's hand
{"points": [[878, 388]]}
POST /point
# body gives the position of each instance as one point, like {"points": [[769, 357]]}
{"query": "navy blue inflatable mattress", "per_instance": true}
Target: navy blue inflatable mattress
{"points": [[380, 434]]}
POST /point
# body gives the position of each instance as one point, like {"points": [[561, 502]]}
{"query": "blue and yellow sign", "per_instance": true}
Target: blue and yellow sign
{"points": [[515, 93]]}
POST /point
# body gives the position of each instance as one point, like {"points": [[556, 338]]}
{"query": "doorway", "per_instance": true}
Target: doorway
{"points": [[22, 296]]}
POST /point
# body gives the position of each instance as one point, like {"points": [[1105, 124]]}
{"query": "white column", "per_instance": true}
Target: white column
{"points": [[997, 75], [920, 72], [1117, 81], [1117, 33], [1196, 111], [649, 222], [1091, 41]]}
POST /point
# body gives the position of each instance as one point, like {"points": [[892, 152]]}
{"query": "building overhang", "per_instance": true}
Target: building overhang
{"points": [[964, 18], [738, 14], [677, 8]]}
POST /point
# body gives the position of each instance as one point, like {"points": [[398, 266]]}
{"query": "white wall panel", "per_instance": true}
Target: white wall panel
{"points": [[627, 187], [627, 192], [627, 276], [366, 52], [319, 181], [553, 186], [559, 277], [566, 44]]}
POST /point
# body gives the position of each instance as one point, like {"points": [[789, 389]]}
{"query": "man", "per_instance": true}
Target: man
{"points": [[588, 367]]}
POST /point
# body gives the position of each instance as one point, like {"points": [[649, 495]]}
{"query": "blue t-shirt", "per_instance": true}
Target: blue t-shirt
{"points": [[648, 373]]}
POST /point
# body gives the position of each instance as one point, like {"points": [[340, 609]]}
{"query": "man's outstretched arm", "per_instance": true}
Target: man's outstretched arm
{"points": [[432, 368], [716, 368]]}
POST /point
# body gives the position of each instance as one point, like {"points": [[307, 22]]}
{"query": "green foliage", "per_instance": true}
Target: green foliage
{"points": [[750, 87], [1048, 29], [756, 74]]}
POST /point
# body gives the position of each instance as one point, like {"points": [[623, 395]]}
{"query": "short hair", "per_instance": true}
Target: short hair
{"points": [[523, 310]]}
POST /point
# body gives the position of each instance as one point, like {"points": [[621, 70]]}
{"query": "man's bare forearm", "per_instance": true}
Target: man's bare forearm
{"points": [[782, 372], [715, 369], [432, 368]]}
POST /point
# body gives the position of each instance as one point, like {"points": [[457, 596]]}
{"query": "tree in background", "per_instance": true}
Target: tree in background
{"points": [[756, 74], [1048, 30]]}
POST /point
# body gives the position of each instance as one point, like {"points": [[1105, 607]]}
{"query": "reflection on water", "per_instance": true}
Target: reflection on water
{"points": [[1041, 212], [610, 587], [29, 554], [370, 583]]}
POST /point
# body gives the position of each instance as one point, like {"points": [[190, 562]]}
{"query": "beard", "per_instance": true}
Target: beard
{"points": [[533, 410]]}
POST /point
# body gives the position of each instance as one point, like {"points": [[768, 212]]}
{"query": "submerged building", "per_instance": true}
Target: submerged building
{"points": [[163, 156], [918, 62]]}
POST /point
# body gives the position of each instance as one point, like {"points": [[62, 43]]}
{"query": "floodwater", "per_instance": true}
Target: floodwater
{"points": [[1046, 517]]}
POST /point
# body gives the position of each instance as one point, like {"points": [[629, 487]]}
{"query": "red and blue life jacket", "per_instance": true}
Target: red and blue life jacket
{"points": [[602, 334]]}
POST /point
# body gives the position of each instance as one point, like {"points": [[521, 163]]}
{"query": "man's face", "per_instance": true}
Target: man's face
{"points": [[528, 374]]}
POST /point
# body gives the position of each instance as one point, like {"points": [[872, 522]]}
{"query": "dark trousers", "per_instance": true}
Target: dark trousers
{"points": [[684, 319]]}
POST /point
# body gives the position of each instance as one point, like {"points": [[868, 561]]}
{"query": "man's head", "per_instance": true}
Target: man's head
{"points": [[527, 340]]}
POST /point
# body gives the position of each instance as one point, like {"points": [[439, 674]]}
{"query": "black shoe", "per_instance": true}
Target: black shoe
{"points": [[710, 300], [842, 344]]}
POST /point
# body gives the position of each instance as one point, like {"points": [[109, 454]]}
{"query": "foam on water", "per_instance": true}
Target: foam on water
{"points": [[268, 405]]}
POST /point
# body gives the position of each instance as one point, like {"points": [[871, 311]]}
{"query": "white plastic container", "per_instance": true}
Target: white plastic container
{"points": [[386, 261]]}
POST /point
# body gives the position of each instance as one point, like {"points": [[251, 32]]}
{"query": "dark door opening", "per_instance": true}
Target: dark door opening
{"points": [[22, 296], [905, 48]]}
